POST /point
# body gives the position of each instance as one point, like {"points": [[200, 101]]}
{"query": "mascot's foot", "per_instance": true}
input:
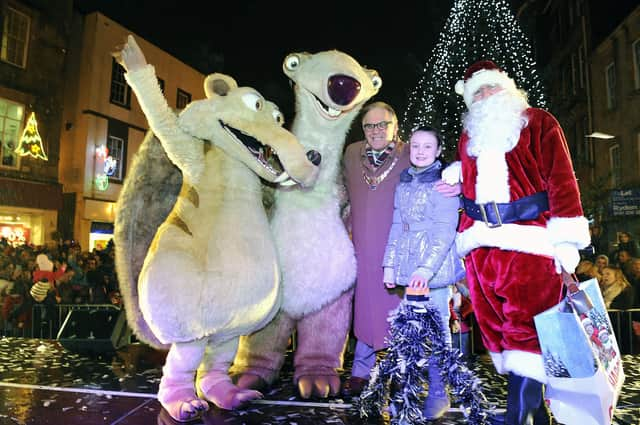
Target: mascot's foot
{"points": [[249, 381], [321, 386], [182, 404], [227, 396]]}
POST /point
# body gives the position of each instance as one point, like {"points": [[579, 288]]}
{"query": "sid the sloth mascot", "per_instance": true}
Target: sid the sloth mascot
{"points": [[522, 224]]}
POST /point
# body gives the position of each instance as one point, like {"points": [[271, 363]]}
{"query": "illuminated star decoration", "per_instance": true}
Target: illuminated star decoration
{"points": [[30, 141], [475, 30]]}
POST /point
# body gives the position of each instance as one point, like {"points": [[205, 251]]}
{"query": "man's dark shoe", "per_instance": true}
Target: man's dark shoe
{"points": [[354, 386]]}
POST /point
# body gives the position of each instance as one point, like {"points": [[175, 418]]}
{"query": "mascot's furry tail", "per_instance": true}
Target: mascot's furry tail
{"points": [[149, 192]]}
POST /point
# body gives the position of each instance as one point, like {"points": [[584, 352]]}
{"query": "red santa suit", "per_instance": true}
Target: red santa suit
{"points": [[510, 267]]}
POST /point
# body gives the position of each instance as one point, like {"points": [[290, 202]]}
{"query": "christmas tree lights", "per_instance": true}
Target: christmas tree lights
{"points": [[474, 30]]}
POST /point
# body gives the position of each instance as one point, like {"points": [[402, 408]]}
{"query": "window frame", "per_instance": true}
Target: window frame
{"points": [[5, 36], [614, 164], [635, 54], [610, 84], [20, 122], [180, 95], [118, 81], [121, 158]]}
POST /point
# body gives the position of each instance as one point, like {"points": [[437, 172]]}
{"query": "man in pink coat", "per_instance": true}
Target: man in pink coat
{"points": [[372, 169]]}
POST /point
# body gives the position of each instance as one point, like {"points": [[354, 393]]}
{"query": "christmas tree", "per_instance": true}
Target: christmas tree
{"points": [[475, 30], [31, 142]]}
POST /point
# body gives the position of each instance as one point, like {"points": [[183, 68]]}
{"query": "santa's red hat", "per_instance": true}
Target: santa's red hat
{"points": [[481, 73]]}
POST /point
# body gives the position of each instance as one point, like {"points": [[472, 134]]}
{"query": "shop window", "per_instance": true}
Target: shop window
{"points": [[120, 90], [11, 116], [15, 37]]}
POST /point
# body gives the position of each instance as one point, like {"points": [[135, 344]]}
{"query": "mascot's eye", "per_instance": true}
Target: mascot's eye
{"points": [[277, 115], [292, 62], [253, 101], [376, 81]]}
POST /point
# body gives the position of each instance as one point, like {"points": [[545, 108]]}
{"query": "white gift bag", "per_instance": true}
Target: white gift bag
{"points": [[581, 357]]}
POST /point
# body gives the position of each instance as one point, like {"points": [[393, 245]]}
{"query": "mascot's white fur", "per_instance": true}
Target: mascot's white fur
{"points": [[316, 255], [210, 273]]}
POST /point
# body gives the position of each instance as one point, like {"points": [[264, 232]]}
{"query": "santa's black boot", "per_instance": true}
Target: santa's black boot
{"points": [[524, 401]]}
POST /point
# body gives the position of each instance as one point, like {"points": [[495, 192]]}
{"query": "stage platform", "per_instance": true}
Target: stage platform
{"points": [[43, 383]]}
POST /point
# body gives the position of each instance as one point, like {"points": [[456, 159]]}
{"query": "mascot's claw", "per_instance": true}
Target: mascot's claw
{"points": [[321, 386], [250, 381], [181, 405], [227, 396]]}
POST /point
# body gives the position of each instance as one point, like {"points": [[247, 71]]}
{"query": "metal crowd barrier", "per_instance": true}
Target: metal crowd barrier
{"points": [[47, 320]]}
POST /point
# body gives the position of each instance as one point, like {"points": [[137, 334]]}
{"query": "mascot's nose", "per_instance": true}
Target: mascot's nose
{"points": [[314, 157], [343, 89]]}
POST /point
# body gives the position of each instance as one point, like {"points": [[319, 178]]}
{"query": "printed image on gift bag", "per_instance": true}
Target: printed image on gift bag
{"points": [[582, 359]]}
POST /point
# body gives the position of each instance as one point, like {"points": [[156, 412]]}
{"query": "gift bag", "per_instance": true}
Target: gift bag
{"points": [[581, 357]]}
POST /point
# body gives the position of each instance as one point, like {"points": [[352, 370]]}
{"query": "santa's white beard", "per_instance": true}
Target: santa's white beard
{"points": [[494, 126]]}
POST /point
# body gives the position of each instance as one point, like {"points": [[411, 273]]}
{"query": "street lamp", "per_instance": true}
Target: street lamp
{"points": [[599, 135]]}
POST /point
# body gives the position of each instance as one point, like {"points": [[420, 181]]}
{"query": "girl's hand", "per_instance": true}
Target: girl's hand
{"points": [[418, 285], [418, 281], [389, 285]]}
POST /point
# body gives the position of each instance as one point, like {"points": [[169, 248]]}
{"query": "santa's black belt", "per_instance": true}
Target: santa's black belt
{"points": [[496, 214]]}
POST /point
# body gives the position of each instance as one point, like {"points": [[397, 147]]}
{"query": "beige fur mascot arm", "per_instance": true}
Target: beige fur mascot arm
{"points": [[178, 144]]}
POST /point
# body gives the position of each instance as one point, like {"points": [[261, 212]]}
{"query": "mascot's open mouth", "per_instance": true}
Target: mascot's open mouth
{"points": [[265, 156], [332, 113]]}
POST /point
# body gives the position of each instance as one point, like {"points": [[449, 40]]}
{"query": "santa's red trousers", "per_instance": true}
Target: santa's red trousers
{"points": [[507, 289]]}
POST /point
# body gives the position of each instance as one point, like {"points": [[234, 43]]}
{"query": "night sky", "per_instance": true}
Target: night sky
{"points": [[248, 39]]}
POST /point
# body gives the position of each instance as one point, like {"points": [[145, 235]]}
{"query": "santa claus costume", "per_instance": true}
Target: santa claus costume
{"points": [[522, 222]]}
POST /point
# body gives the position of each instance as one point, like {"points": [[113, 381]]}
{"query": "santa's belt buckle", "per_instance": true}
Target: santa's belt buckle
{"points": [[483, 213]]}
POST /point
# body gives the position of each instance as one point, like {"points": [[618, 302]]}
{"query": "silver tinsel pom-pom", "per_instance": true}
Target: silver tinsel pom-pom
{"points": [[399, 381]]}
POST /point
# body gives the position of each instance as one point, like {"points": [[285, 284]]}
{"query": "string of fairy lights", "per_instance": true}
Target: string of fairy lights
{"points": [[474, 30]]}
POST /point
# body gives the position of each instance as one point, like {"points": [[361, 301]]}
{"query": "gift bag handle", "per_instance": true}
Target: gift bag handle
{"points": [[576, 297]]}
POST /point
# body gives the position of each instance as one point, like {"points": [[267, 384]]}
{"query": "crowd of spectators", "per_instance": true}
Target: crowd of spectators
{"points": [[83, 277], [618, 274]]}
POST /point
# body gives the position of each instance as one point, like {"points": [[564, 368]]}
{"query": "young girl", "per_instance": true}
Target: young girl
{"points": [[420, 252]]}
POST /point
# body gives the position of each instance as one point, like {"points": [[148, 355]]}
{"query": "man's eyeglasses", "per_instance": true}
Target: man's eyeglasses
{"points": [[382, 125]]}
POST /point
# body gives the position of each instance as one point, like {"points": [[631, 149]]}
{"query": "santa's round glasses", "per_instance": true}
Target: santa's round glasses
{"points": [[382, 125]]}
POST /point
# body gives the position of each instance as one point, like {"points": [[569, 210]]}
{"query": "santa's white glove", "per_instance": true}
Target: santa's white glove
{"points": [[566, 257], [453, 173]]}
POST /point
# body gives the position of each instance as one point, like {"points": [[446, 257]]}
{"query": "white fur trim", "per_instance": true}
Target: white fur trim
{"points": [[453, 173], [521, 363], [498, 362], [510, 237], [459, 87], [492, 181], [573, 230], [486, 76]]}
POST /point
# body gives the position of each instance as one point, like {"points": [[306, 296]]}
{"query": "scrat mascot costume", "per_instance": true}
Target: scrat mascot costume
{"points": [[210, 273], [316, 255]]}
